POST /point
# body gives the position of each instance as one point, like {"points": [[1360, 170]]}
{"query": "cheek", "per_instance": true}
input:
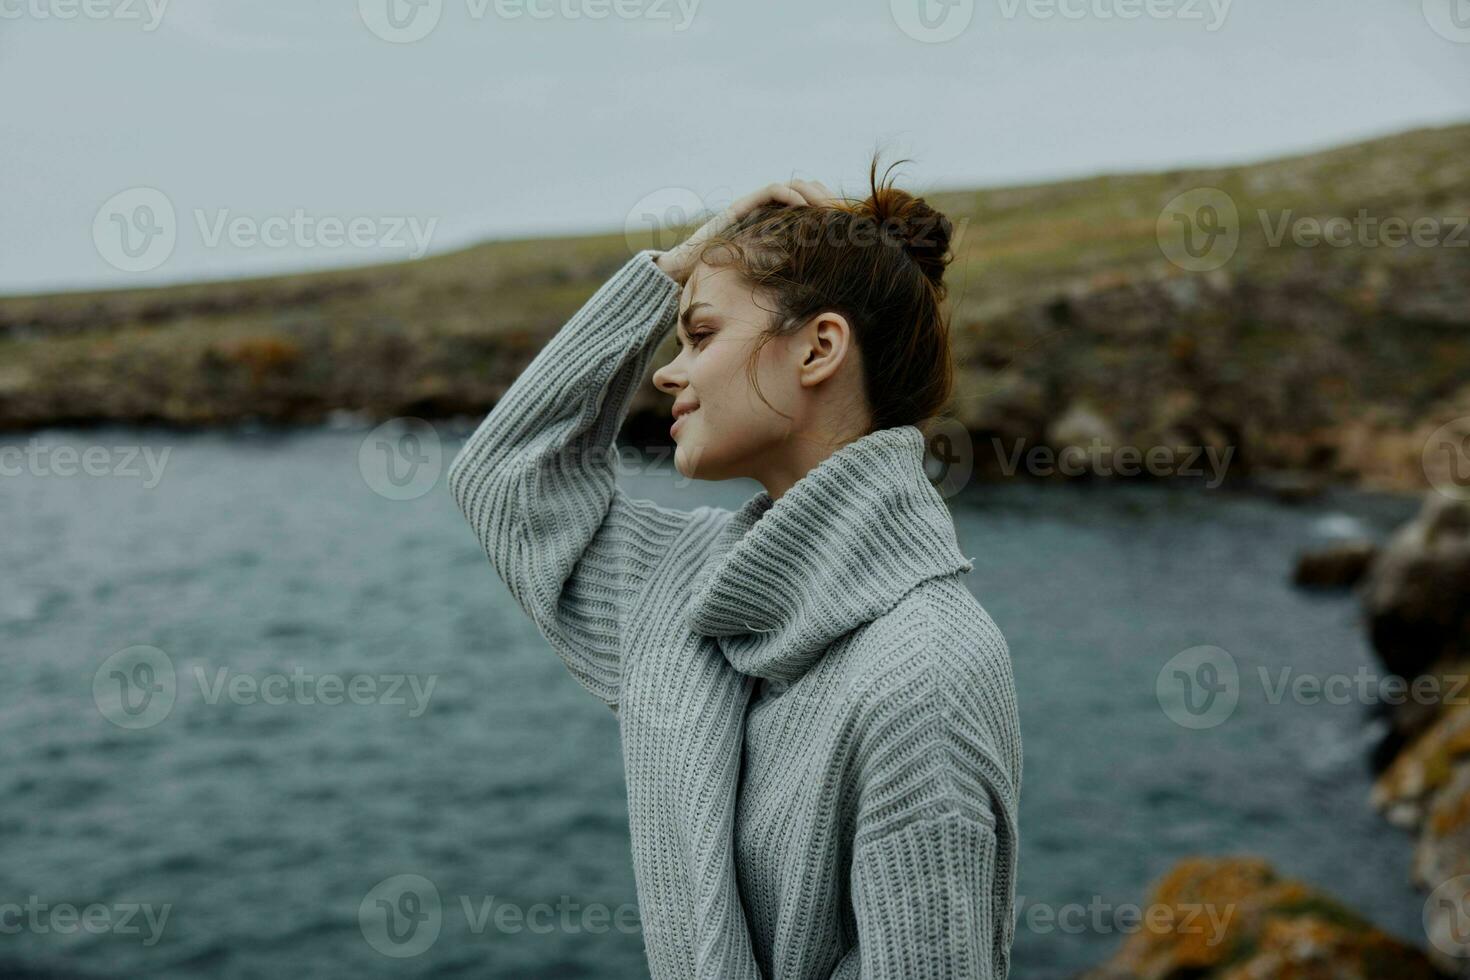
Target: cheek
{"points": [[717, 431], [724, 378], [717, 378]]}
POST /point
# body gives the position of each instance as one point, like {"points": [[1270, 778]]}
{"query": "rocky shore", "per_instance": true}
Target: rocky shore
{"points": [[1297, 360], [1414, 592], [1274, 929]]}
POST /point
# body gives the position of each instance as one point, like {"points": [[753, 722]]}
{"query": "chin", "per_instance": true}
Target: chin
{"points": [[684, 461], [694, 461]]}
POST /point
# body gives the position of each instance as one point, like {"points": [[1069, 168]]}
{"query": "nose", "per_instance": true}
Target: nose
{"points": [[669, 379]]}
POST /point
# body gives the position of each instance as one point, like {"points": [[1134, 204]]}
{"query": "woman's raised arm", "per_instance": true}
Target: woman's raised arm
{"points": [[536, 479]]}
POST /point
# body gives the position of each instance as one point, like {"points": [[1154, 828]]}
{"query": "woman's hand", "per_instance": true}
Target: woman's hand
{"points": [[678, 262]]}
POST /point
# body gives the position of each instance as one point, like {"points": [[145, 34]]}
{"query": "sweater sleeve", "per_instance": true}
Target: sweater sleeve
{"points": [[924, 901], [934, 852], [536, 479]]}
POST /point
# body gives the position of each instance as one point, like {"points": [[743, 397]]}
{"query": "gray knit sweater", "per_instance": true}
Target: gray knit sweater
{"points": [[818, 720]]}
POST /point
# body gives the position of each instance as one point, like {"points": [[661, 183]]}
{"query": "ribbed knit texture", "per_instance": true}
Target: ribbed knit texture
{"points": [[818, 720]]}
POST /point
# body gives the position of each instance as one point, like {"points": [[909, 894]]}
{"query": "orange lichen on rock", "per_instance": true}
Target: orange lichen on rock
{"points": [[1256, 925]]}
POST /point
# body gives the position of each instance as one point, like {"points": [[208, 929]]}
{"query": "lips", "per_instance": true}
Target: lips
{"points": [[680, 413]]}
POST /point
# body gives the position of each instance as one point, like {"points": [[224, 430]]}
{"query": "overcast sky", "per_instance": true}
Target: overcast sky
{"points": [[292, 134]]}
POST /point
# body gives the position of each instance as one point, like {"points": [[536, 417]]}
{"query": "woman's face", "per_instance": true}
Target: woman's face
{"points": [[730, 429]]}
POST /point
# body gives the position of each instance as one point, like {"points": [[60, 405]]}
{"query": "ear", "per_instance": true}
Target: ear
{"points": [[825, 343]]}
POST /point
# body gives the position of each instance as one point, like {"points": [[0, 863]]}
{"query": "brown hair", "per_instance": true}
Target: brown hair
{"points": [[880, 263]]}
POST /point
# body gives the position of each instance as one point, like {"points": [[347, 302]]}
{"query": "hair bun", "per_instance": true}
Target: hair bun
{"points": [[923, 232]]}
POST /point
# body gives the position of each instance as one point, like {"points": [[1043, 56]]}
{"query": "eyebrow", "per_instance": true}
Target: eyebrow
{"points": [[688, 314]]}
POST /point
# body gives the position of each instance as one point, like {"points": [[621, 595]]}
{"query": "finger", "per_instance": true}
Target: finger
{"points": [[812, 191], [771, 193], [786, 194]]}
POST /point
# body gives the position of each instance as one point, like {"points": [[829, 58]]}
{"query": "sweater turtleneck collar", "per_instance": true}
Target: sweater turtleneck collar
{"points": [[786, 578]]}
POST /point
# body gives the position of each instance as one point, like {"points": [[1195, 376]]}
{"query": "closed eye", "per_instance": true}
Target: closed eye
{"points": [[697, 337]]}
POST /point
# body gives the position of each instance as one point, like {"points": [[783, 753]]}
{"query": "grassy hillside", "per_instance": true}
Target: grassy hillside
{"points": [[1067, 313]]}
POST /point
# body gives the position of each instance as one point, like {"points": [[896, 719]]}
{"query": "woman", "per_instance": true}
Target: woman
{"points": [[818, 719]]}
